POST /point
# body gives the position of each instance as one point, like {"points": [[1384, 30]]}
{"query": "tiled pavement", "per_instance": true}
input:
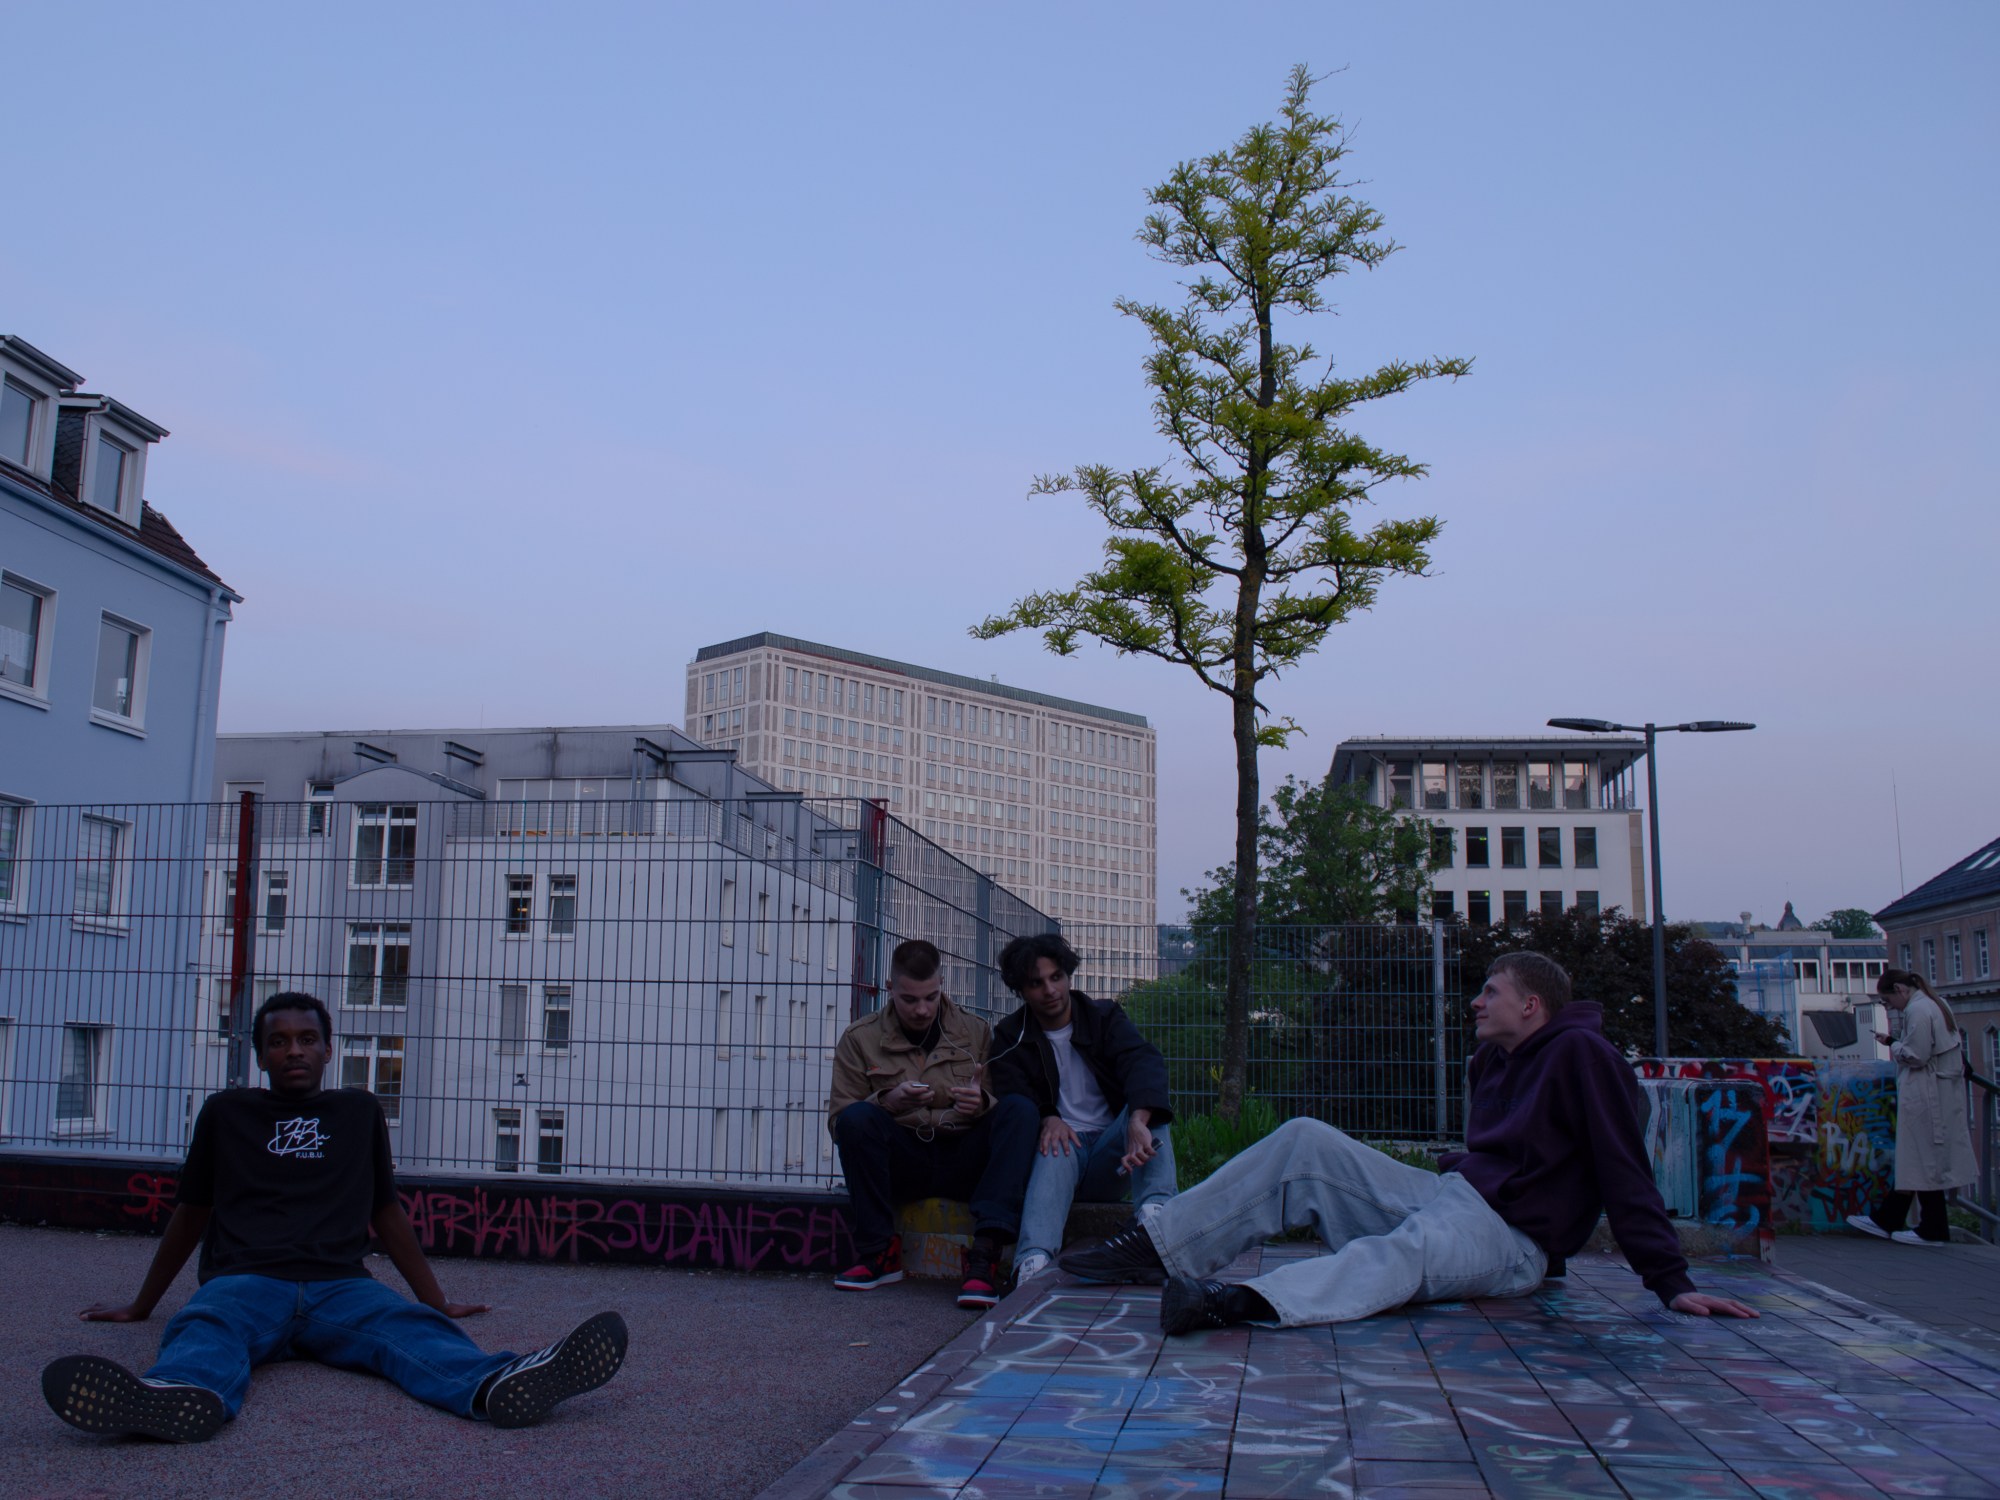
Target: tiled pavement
{"points": [[1585, 1388]]}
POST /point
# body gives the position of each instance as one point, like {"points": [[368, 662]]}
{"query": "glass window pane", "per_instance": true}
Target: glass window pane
{"points": [[1549, 848], [1515, 905], [117, 660], [1402, 775], [76, 1088], [1514, 848], [96, 866], [1479, 908], [1476, 848], [1552, 903], [361, 966], [395, 966], [1471, 784], [1586, 848], [1507, 784], [107, 474], [1436, 794], [20, 633], [1541, 783], [10, 852], [1576, 783], [17, 410]]}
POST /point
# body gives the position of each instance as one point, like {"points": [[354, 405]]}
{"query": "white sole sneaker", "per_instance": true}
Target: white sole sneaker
{"points": [[1867, 1225], [1911, 1237]]}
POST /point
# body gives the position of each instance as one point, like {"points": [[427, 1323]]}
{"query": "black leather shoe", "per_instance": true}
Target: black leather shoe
{"points": [[1188, 1306], [1127, 1258]]}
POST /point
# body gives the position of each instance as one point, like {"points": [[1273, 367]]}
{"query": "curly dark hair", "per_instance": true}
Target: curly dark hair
{"points": [[290, 1000], [1018, 958]]}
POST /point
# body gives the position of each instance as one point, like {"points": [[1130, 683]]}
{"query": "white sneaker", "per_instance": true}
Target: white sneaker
{"points": [[1911, 1237], [1867, 1225], [1029, 1266]]}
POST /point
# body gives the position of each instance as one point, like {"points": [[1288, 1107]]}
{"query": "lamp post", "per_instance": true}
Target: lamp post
{"points": [[1698, 726]]}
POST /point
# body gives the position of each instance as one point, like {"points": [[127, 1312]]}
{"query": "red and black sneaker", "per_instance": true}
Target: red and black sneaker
{"points": [[879, 1269], [981, 1286]]}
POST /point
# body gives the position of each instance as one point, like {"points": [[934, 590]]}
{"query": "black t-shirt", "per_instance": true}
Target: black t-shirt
{"points": [[293, 1183]]}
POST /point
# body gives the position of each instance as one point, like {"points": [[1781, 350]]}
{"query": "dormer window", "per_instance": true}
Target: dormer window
{"points": [[107, 474], [17, 421]]}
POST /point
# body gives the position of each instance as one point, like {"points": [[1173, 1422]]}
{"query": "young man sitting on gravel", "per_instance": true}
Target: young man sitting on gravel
{"points": [[280, 1188], [1553, 1140]]}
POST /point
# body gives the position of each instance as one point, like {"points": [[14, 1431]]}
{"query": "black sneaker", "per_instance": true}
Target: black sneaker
{"points": [[981, 1286], [1127, 1258], [1186, 1305], [100, 1396], [879, 1269], [581, 1360]]}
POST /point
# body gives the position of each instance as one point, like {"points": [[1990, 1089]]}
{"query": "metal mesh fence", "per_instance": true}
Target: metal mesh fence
{"points": [[605, 988]]}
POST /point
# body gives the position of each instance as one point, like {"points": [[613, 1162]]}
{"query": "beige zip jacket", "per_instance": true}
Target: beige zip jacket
{"points": [[874, 1056]]}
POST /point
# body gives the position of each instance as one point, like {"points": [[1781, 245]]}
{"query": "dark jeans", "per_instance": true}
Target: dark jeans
{"points": [[1931, 1221], [985, 1165]]}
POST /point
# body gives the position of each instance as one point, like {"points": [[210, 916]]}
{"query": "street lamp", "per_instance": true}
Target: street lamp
{"points": [[1698, 726]]}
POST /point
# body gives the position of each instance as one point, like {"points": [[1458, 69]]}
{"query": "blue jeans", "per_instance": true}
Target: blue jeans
{"points": [[1090, 1175], [235, 1322], [1397, 1234]]}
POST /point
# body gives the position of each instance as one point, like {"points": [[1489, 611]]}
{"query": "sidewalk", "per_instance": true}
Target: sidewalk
{"points": [[1585, 1388]]}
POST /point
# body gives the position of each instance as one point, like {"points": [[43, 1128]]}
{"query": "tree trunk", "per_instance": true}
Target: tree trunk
{"points": [[1243, 914]]}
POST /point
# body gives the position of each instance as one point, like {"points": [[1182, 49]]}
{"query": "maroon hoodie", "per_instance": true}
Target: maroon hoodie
{"points": [[1552, 1139]]}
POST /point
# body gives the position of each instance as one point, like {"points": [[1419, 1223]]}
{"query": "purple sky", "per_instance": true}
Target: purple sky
{"points": [[511, 355]]}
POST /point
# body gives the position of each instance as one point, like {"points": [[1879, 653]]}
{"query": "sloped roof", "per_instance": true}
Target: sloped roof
{"points": [[1977, 875], [154, 532]]}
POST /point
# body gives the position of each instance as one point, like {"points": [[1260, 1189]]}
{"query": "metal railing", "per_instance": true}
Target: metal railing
{"points": [[645, 989], [1983, 1106]]}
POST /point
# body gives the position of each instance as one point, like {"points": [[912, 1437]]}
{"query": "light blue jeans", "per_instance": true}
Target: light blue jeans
{"points": [[236, 1322], [1397, 1234], [1090, 1175]]}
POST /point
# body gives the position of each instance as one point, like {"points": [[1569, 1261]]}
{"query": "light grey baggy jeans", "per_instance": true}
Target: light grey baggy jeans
{"points": [[1398, 1234]]}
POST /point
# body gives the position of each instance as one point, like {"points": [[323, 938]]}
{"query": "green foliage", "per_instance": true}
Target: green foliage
{"points": [[1848, 922], [1610, 959], [1326, 855], [1420, 1157], [1236, 556], [1204, 1142]]}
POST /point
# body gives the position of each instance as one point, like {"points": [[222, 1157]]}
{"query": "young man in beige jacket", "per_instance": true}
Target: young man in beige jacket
{"points": [[912, 1118]]}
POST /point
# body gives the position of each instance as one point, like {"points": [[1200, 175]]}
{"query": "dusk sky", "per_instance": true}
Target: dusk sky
{"points": [[512, 354]]}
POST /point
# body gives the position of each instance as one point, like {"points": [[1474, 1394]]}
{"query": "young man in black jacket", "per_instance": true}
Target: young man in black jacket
{"points": [[280, 1189], [1099, 1086]]}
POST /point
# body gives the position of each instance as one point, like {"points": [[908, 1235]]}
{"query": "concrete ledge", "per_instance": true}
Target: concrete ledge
{"points": [[1699, 1241], [936, 1232]]}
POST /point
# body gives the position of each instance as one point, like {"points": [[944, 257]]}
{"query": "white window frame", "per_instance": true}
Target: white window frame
{"points": [[506, 1126], [372, 1048], [277, 884], [113, 921], [386, 935], [558, 998], [517, 885], [561, 929], [14, 899], [388, 816], [725, 1015], [42, 420], [319, 800], [725, 930], [133, 723], [35, 693], [550, 1125], [131, 482], [93, 1123]]}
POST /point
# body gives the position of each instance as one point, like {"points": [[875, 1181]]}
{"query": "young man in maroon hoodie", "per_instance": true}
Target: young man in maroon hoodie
{"points": [[1553, 1140]]}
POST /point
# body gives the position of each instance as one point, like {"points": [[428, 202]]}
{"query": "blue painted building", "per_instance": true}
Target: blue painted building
{"points": [[111, 636]]}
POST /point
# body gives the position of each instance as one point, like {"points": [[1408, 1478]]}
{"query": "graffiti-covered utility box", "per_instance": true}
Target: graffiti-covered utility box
{"points": [[1826, 1146]]}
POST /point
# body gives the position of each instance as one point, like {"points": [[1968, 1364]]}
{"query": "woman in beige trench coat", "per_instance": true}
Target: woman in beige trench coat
{"points": [[1933, 1140]]}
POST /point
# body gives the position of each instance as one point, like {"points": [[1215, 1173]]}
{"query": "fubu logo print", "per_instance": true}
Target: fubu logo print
{"points": [[300, 1137]]}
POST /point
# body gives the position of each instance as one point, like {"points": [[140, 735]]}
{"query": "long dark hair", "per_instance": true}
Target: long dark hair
{"points": [[1910, 980]]}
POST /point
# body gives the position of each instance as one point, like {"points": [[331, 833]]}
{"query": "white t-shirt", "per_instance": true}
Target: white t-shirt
{"points": [[1079, 1101]]}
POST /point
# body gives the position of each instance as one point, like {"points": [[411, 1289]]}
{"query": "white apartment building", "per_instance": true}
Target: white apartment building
{"points": [[1052, 798], [1519, 825]]}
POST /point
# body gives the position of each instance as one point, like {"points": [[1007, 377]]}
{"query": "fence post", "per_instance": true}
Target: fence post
{"points": [[240, 1061], [870, 845], [1442, 1129]]}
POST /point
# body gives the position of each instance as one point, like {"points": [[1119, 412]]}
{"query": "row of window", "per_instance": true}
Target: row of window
{"points": [[110, 475], [1514, 848], [839, 728], [27, 646], [1954, 957], [550, 1127], [1513, 906], [1430, 784], [836, 786], [835, 691]]}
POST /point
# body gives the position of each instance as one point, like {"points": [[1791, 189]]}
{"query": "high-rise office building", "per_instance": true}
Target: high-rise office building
{"points": [[1052, 798]]}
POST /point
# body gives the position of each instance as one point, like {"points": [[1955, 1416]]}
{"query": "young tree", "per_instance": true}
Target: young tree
{"points": [[1326, 856], [1235, 559], [1848, 922]]}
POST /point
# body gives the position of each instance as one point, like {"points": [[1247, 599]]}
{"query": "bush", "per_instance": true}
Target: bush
{"points": [[1204, 1142]]}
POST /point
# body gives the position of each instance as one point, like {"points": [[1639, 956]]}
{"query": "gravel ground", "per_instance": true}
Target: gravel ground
{"points": [[731, 1379]]}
